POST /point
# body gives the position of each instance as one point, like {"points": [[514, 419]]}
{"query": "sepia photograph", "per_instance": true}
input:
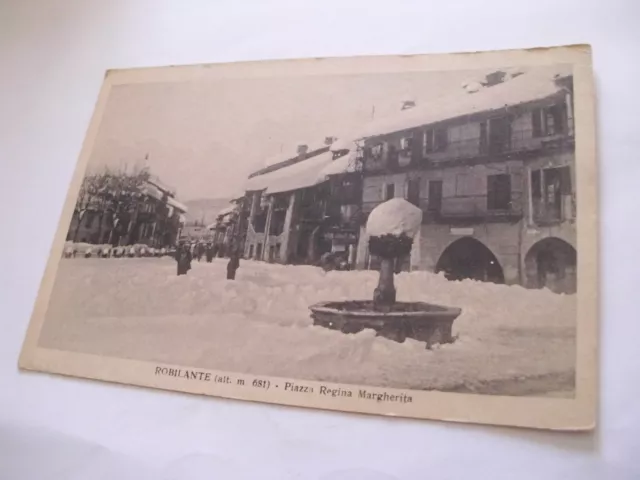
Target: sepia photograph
{"points": [[353, 234]]}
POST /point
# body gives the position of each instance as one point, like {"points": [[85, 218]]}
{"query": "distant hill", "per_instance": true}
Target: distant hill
{"points": [[205, 209]]}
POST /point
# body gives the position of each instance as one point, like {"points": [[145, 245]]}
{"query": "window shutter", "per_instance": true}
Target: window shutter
{"points": [[565, 181], [429, 140]]}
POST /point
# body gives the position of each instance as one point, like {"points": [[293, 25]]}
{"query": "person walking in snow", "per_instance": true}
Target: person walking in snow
{"points": [[233, 265], [209, 252], [183, 258], [200, 251]]}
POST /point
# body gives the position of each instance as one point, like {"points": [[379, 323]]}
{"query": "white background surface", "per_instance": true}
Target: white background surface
{"points": [[53, 55]]}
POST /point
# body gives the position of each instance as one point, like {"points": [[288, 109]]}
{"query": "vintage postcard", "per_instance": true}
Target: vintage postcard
{"points": [[412, 236]]}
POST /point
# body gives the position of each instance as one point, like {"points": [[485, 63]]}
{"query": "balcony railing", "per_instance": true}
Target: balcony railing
{"points": [[546, 214], [476, 208]]}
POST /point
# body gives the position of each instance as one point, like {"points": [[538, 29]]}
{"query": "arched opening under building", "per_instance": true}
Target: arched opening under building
{"points": [[470, 258], [551, 263]]}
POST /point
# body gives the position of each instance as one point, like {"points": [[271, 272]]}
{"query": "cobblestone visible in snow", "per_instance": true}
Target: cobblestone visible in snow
{"points": [[394, 217], [259, 324]]}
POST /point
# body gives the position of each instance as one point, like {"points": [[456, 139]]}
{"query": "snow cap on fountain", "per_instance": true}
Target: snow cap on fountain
{"points": [[394, 217]]}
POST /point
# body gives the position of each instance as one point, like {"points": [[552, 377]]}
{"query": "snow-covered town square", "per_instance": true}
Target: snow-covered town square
{"points": [[419, 234], [510, 341]]}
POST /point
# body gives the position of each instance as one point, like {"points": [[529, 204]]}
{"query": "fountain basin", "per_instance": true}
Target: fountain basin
{"points": [[424, 322]]}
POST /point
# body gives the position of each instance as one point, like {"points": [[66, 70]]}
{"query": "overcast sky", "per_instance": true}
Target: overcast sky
{"points": [[205, 137]]}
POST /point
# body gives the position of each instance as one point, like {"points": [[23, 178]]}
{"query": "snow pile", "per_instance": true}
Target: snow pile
{"points": [[260, 324], [394, 217], [85, 248]]}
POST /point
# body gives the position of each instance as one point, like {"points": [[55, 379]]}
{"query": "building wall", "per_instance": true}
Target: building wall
{"points": [[464, 189], [254, 239], [463, 138]]}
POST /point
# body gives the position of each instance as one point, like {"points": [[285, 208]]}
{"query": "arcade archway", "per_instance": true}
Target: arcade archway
{"points": [[470, 258], [551, 263]]}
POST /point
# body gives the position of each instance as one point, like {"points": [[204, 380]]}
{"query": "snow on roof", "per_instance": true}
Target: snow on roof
{"points": [[155, 180], [176, 204], [535, 84], [298, 175], [226, 211], [346, 164], [152, 191], [346, 143], [293, 153]]}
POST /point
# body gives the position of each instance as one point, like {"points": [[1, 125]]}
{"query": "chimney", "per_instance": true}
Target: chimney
{"points": [[302, 150], [408, 104], [329, 140]]}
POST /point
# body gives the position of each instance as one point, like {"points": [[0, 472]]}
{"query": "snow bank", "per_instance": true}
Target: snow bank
{"points": [[260, 323], [394, 217]]}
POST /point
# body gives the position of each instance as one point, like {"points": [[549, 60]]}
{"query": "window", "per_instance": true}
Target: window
{"points": [[389, 191], [499, 192], [250, 251], [405, 144], [499, 134], [549, 121], [349, 192], [435, 195], [376, 151], [435, 140], [440, 139], [551, 194], [413, 191]]}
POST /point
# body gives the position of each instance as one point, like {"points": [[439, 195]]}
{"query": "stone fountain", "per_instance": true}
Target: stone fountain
{"points": [[391, 228]]}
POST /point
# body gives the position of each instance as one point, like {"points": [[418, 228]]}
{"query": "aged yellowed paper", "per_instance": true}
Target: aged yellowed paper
{"points": [[412, 236]]}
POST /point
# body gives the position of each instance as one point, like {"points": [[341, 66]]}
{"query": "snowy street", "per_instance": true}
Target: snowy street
{"points": [[511, 341]]}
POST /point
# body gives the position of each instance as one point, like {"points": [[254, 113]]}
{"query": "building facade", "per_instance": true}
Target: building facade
{"points": [[496, 185], [303, 208], [145, 213]]}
